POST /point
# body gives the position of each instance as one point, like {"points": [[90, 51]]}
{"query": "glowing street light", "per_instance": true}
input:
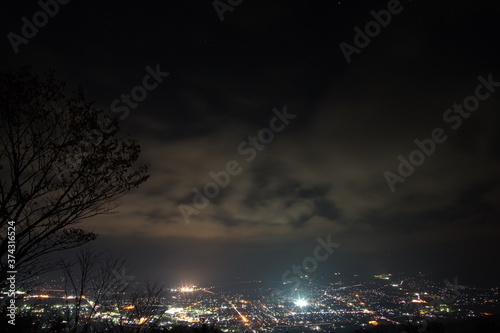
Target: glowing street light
{"points": [[301, 302]]}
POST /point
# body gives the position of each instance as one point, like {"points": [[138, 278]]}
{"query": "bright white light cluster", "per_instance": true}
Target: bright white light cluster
{"points": [[301, 302]]}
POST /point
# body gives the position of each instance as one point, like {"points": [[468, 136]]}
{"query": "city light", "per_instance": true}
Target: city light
{"points": [[174, 311], [319, 308], [187, 289], [301, 302]]}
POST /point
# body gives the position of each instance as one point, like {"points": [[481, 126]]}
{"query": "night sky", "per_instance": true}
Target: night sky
{"points": [[322, 171]]}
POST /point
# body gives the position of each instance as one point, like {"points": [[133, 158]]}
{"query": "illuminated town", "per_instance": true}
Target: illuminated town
{"points": [[343, 304]]}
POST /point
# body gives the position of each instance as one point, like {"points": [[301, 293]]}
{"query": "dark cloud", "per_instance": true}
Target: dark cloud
{"points": [[324, 173]]}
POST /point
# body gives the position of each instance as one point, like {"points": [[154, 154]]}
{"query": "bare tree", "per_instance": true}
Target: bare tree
{"points": [[91, 283], [61, 162], [94, 285], [147, 307]]}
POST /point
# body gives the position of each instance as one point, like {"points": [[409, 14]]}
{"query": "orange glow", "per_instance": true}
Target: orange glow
{"points": [[418, 301], [373, 322]]}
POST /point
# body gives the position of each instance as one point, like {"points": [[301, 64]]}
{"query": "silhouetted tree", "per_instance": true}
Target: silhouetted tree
{"points": [[61, 162], [147, 309], [92, 276]]}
